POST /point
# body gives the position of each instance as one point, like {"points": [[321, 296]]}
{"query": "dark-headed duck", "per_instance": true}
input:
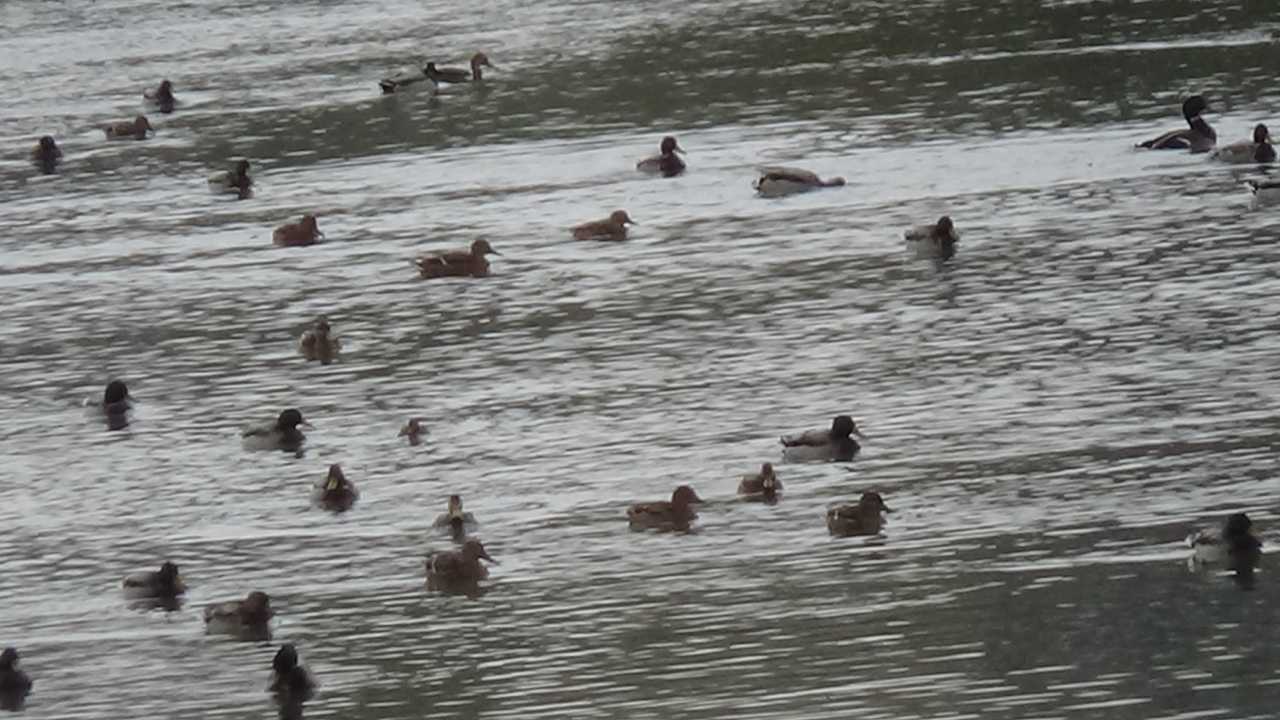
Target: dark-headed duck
{"points": [[860, 518], [46, 155], [290, 681], [763, 485], [458, 263], [14, 683], [413, 431], [1197, 137], [937, 240], [300, 234], [666, 162], [135, 129], [836, 444], [459, 75], [116, 404], [165, 583], [336, 492], [283, 434], [1233, 545], [675, 514], [1257, 150], [161, 97], [318, 342], [235, 181], [613, 227], [779, 181]]}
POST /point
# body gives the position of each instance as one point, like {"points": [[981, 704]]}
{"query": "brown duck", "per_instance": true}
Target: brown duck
{"points": [[300, 234], [613, 228], [459, 566], [860, 518], [663, 515], [458, 263], [763, 485], [135, 129], [459, 75]]}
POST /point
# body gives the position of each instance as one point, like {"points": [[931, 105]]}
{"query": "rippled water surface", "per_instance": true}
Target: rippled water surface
{"points": [[1093, 376]]}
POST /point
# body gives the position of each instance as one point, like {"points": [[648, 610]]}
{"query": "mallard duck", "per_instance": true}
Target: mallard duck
{"points": [[1265, 192], [1234, 545], [454, 512], [318, 343], [283, 434], [663, 515], [458, 566], [46, 155], [613, 227], [336, 492], [779, 181], [252, 613], [165, 583], [116, 404], [413, 431], [235, 181], [290, 681], [402, 80], [1258, 150], [300, 234], [161, 97], [1198, 137], [458, 263], [666, 162], [836, 444], [459, 75], [136, 129], [14, 683], [936, 241], [860, 518], [763, 485]]}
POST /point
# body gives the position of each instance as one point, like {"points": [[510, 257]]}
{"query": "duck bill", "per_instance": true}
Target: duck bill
{"points": [[858, 432], [680, 150], [307, 425], [886, 508], [495, 252], [485, 555]]}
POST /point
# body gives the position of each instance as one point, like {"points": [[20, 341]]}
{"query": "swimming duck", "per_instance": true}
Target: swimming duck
{"points": [[1265, 192], [458, 75], [116, 404], [336, 492], [300, 234], [458, 263], [318, 343], [860, 518], [613, 227], [1258, 150], [763, 485], [129, 130], [235, 181], [400, 81], [161, 97], [46, 155], [454, 512], [283, 434], [836, 444], [458, 566], [250, 614], [1234, 545], [663, 515], [14, 683], [290, 681], [779, 181], [936, 241], [1198, 137], [163, 583], [666, 162], [413, 430]]}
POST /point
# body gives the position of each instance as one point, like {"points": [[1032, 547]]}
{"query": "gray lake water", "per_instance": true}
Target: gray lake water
{"points": [[1092, 377]]}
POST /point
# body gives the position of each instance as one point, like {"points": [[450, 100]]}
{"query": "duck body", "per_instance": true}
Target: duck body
{"points": [[283, 434], [290, 680], [161, 97], [1265, 192], [459, 75], [667, 162], [860, 518], [413, 431], [457, 263], [782, 181], [675, 515], [1198, 137], [763, 485], [235, 181], [318, 343], [1234, 545], [249, 617], [937, 241], [401, 81], [46, 155], [135, 129], [1258, 150], [833, 445], [453, 514], [300, 234], [116, 404], [612, 228], [165, 583], [461, 566], [15, 685], [335, 492]]}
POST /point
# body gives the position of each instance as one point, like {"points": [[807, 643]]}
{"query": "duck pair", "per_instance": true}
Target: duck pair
{"points": [[318, 342], [436, 75], [1200, 137]]}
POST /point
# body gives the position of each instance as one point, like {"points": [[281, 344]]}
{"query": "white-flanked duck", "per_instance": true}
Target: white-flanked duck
{"points": [[1257, 150], [666, 163], [459, 75], [283, 434], [135, 129], [1233, 546], [937, 240], [612, 228], [833, 445], [235, 181], [405, 79], [165, 583], [161, 97], [46, 155], [1198, 137], [781, 181]]}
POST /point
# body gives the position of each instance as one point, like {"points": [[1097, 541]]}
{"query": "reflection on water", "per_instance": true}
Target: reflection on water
{"points": [[1048, 413]]}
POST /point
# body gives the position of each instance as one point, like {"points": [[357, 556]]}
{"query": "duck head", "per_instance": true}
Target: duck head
{"points": [[871, 500], [290, 419], [620, 217], [116, 392], [481, 247], [168, 575], [455, 506], [843, 426], [1193, 106], [473, 550], [1237, 525], [836, 181], [335, 480], [669, 145], [286, 659], [945, 226], [141, 125], [48, 146], [242, 168], [1261, 134], [165, 91], [684, 496], [308, 223], [480, 59], [8, 658], [321, 326], [257, 606]]}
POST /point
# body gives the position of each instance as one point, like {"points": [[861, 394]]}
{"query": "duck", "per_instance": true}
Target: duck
{"points": [[161, 97], [235, 181], [458, 263], [763, 485], [675, 514], [459, 75], [336, 492], [46, 155], [833, 445], [14, 683], [666, 162], [318, 342], [1198, 137], [1258, 150], [116, 404], [283, 434], [252, 613], [300, 234], [860, 518], [165, 583], [1234, 545], [400, 81], [780, 181], [613, 228], [461, 566], [413, 431], [290, 681], [1265, 192], [454, 513], [936, 241], [135, 129]]}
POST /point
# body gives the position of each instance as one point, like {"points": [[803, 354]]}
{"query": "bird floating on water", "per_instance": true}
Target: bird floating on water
{"points": [[1233, 545], [165, 583], [336, 492], [836, 444], [46, 155], [161, 97], [1258, 150], [675, 514], [1198, 137], [318, 342], [235, 181], [667, 162], [454, 512], [937, 241], [300, 234], [135, 129], [458, 567], [413, 431], [763, 485], [283, 434], [1265, 192], [613, 228], [457, 263], [860, 518], [15, 685], [459, 75], [249, 617], [780, 181]]}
